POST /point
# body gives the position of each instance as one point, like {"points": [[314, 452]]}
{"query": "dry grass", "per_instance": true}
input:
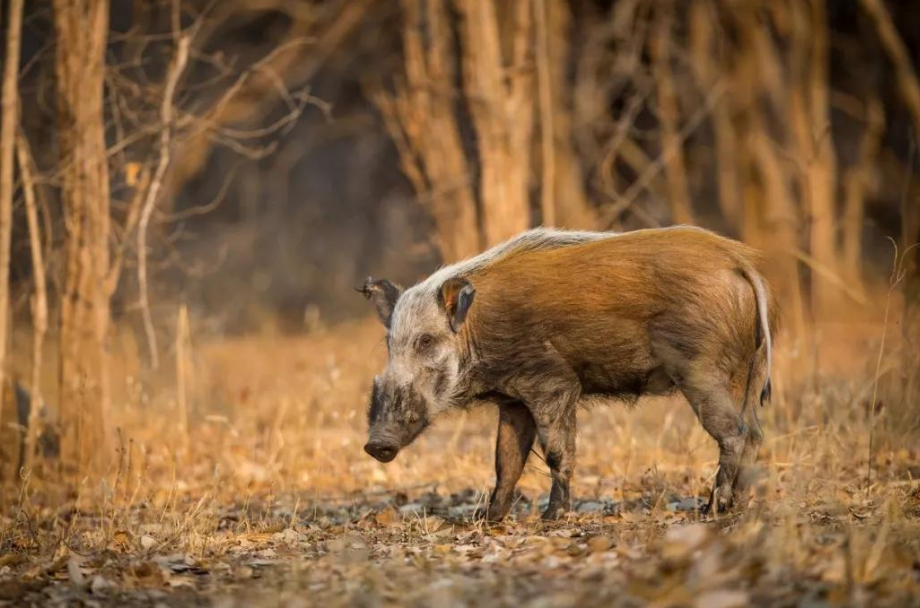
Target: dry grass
{"points": [[271, 499]]}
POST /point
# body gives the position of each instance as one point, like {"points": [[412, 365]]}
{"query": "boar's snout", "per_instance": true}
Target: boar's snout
{"points": [[384, 452]]}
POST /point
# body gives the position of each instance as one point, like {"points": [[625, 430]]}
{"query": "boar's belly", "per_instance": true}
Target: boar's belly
{"points": [[624, 382]]}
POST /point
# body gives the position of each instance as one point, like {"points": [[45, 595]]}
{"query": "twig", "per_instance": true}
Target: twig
{"points": [[40, 298], [620, 133], [211, 205], [659, 163], [831, 277], [166, 118], [898, 54]]}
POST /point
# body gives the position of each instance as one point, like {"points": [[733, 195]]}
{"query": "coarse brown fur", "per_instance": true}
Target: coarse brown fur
{"points": [[620, 311], [645, 312]]}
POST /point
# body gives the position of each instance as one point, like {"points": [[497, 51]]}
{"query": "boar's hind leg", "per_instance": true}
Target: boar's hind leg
{"points": [[747, 472], [712, 401], [516, 432]]}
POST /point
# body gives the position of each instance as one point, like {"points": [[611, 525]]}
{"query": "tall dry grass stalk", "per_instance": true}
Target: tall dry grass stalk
{"points": [[856, 182], [183, 373], [898, 273]]}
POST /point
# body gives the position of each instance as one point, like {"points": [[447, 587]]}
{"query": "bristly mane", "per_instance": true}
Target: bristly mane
{"points": [[535, 239], [417, 299]]}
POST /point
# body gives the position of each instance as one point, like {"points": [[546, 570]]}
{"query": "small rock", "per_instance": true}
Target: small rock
{"points": [[686, 505], [148, 542], [463, 511], [590, 506], [411, 508], [100, 584], [288, 536]]}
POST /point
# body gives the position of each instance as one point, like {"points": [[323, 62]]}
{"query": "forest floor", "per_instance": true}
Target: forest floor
{"points": [[268, 499]]}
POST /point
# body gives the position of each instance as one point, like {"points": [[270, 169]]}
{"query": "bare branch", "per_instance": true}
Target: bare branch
{"points": [[153, 191], [39, 299]]}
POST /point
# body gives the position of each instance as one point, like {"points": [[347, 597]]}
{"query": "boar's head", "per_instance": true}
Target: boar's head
{"points": [[425, 359]]}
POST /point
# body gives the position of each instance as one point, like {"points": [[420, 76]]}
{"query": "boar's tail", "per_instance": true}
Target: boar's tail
{"points": [[763, 316]]}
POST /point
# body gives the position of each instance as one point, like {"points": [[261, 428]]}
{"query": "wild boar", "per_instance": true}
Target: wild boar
{"points": [[550, 316]]}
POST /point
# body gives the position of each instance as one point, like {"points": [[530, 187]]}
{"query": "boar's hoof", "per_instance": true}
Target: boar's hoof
{"points": [[720, 502], [554, 512], [489, 515]]}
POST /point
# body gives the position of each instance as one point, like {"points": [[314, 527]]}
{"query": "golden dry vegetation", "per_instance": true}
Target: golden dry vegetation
{"points": [[269, 498]]}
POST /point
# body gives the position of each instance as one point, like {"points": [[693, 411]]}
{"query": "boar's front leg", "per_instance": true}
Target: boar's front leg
{"points": [[516, 432], [550, 389]]}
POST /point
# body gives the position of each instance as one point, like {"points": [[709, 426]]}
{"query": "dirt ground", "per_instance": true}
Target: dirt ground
{"points": [[268, 498]]}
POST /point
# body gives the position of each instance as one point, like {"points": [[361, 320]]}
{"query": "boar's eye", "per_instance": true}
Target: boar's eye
{"points": [[424, 343], [413, 417]]}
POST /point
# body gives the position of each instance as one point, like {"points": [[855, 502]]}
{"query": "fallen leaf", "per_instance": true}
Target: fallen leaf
{"points": [[598, 544], [722, 598], [387, 517]]}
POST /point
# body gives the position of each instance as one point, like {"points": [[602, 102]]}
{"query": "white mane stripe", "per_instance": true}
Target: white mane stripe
{"points": [[416, 299], [530, 240]]}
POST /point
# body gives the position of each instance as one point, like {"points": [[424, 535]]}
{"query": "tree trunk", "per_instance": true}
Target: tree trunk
{"points": [[80, 29], [567, 193], [909, 86], [707, 71], [772, 224], [10, 123], [500, 94], [422, 121], [668, 115], [810, 113], [855, 182]]}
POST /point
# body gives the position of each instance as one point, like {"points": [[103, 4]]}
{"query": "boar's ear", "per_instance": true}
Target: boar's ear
{"points": [[384, 294], [456, 297]]}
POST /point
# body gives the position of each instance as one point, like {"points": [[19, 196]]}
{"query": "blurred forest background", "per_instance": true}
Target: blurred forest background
{"points": [[253, 160], [180, 176]]}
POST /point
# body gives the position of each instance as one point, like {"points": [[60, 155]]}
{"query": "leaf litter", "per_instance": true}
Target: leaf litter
{"points": [[273, 511]]}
